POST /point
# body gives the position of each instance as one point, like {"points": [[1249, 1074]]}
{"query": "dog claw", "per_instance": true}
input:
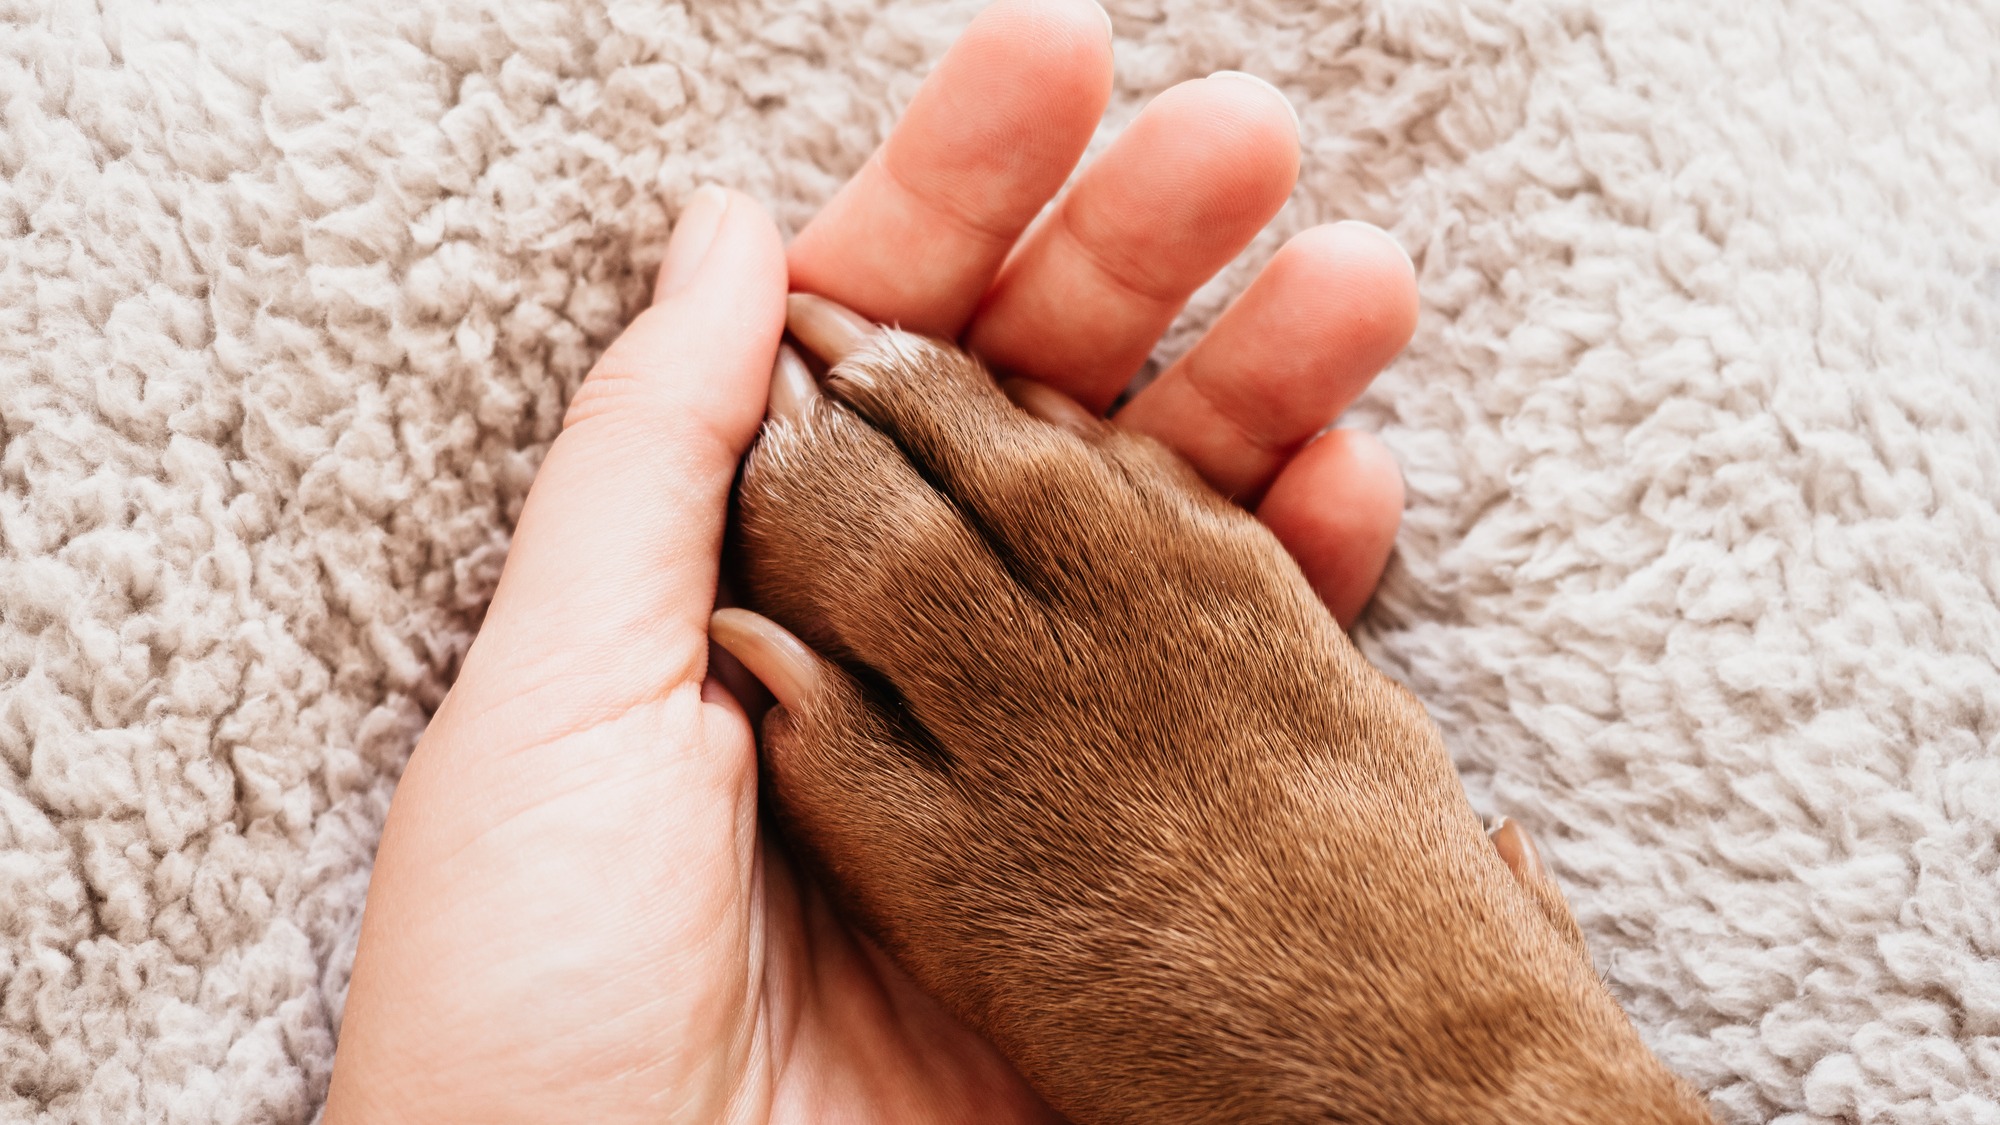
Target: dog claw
{"points": [[1517, 850], [828, 330], [781, 662], [792, 386], [1051, 406]]}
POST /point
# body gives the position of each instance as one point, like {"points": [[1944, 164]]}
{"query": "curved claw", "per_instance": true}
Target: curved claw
{"points": [[782, 662], [828, 330], [1052, 406], [792, 386], [1517, 850]]}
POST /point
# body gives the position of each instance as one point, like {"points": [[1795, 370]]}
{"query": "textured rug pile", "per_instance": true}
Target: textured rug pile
{"points": [[1700, 573]]}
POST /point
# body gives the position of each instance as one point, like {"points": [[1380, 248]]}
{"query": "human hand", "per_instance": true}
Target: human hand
{"points": [[573, 913]]}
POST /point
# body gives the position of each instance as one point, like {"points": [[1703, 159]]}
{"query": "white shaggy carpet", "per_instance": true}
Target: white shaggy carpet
{"points": [[1701, 571]]}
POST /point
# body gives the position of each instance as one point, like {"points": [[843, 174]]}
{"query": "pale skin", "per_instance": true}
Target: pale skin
{"points": [[575, 913]]}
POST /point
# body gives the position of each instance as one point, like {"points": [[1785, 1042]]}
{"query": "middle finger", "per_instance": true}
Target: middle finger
{"points": [[1086, 295]]}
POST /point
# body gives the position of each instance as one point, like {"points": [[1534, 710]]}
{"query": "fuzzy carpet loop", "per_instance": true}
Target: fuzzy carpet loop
{"points": [[1701, 569]]}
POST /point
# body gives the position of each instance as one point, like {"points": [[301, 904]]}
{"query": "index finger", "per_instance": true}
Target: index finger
{"points": [[918, 234]]}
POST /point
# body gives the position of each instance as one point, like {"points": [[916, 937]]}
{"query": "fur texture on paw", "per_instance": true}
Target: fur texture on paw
{"points": [[1081, 748]]}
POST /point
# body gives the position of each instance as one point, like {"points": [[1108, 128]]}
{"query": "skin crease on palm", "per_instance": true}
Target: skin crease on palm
{"points": [[574, 913]]}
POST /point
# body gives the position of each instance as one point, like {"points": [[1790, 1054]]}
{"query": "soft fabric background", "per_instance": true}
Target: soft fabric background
{"points": [[1701, 571]]}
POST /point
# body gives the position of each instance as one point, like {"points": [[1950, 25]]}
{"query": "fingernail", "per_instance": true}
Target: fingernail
{"points": [[1384, 235], [694, 233], [1289, 107], [792, 386], [1110, 32]]}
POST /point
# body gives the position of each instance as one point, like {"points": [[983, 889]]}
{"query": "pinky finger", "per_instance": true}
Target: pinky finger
{"points": [[1336, 507]]}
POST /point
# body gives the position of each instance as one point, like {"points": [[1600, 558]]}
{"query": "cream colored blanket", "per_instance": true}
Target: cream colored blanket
{"points": [[1701, 570]]}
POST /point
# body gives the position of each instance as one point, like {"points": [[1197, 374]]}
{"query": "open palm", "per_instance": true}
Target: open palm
{"points": [[575, 914]]}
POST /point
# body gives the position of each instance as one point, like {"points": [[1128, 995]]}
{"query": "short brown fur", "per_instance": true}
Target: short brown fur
{"points": [[1101, 772]]}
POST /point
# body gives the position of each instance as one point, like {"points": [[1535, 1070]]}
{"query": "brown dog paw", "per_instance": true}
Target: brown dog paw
{"points": [[1072, 737]]}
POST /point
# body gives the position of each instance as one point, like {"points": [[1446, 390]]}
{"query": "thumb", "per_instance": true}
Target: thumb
{"points": [[605, 597]]}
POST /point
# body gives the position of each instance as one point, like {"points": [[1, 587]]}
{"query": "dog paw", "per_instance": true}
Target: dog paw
{"points": [[1072, 737]]}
